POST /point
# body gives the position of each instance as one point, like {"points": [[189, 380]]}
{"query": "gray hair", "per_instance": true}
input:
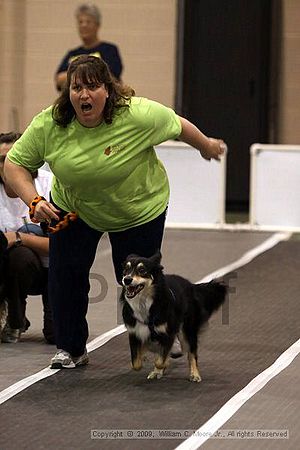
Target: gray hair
{"points": [[89, 9]]}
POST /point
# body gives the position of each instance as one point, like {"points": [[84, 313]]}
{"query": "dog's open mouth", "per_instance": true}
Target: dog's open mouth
{"points": [[132, 291]]}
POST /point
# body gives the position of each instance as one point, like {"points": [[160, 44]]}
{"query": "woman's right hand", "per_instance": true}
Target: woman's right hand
{"points": [[214, 150], [45, 211]]}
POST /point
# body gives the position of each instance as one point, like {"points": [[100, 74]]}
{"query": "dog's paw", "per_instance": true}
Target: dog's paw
{"points": [[137, 365], [195, 378], [156, 374]]}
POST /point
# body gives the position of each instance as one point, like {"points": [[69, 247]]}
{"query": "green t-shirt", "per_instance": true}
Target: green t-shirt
{"points": [[110, 175]]}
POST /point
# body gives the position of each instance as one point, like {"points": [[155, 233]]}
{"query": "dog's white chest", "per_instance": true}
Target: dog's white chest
{"points": [[140, 306], [141, 331]]}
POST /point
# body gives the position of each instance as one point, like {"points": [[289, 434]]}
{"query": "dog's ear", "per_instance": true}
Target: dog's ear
{"points": [[156, 259], [131, 256]]}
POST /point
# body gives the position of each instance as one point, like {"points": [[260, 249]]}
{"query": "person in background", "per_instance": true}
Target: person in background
{"points": [[24, 257], [98, 139], [88, 19]]}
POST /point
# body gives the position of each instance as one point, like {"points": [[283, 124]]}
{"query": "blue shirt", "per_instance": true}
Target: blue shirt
{"points": [[105, 50]]}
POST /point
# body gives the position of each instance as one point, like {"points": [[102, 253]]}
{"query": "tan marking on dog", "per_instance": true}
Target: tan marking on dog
{"points": [[162, 328], [138, 362], [194, 371], [160, 363]]}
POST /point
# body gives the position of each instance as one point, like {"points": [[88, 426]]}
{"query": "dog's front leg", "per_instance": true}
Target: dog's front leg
{"points": [[160, 365], [161, 362], [194, 370], [136, 349], [155, 374]]}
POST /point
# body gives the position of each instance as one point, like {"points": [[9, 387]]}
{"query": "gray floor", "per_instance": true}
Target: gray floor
{"points": [[275, 407], [210, 249], [264, 311]]}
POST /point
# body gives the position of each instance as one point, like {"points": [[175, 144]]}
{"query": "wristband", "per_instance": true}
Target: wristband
{"points": [[32, 206], [18, 240]]}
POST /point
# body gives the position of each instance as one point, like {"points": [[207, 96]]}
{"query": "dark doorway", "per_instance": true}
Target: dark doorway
{"points": [[223, 83]]}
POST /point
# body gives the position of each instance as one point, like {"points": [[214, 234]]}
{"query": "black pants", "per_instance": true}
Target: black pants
{"points": [[24, 275], [72, 253], [3, 247]]}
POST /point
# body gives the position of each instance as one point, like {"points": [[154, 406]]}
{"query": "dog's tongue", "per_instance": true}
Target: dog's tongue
{"points": [[133, 290]]}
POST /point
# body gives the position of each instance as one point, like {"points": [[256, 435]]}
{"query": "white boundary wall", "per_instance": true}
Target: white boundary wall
{"points": [[197, 186], [275, 187]]}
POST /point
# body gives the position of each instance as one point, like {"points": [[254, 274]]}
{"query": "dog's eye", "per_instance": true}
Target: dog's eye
{"points": [[142, 271]]}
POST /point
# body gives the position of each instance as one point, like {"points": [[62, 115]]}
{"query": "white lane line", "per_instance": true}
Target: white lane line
{"points": [[237, 401], [284, 360], [101, 340], [15, 388], [248, 256]]}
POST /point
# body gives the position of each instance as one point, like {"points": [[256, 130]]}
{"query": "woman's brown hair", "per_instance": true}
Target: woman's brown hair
{"points": [[91, 69]]}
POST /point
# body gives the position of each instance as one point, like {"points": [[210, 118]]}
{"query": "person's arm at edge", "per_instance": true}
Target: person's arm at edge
{"points": [[21, 182], [60, 80], [208, 147], [60, 76], [38, 244]]}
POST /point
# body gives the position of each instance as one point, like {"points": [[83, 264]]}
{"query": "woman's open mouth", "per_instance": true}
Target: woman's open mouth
{"points": [[85, 107]]}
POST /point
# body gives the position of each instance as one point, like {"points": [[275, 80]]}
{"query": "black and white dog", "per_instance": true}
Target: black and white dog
{"points": [[158, 307]]}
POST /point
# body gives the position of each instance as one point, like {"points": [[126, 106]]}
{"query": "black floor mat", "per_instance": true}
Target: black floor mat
{"points": [[259, 322]]}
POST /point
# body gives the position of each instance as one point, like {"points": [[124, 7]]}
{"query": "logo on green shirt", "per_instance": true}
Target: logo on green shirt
{"points": [[113, 149]]}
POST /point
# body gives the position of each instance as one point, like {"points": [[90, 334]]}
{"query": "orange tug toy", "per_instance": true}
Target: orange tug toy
{"points": [[63, 223]]}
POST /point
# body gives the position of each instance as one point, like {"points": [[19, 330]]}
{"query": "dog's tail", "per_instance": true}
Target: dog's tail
{"points": [[213, 295]]}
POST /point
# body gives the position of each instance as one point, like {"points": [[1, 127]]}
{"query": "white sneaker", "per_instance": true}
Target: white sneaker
{"points": [[176, 350], [63, 360], [10, 335], [81, 360]]}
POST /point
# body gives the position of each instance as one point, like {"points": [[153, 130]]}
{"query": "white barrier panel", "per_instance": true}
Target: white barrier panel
{"points": [[197, 186], [275, 187]]}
